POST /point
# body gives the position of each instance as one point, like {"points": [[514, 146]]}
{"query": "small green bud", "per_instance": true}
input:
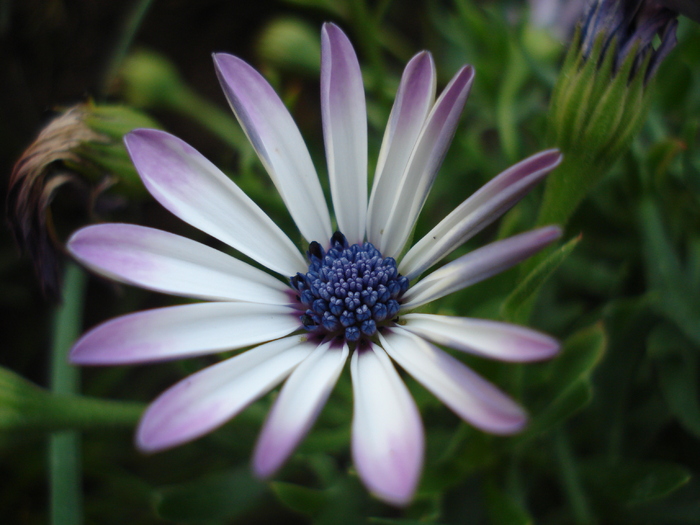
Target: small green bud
{"points": [[289, 44], [540, 43], [149, 80]]}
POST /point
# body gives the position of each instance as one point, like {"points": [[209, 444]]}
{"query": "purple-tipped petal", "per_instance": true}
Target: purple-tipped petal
{"points": [[344, 131], [478, 211], [387, 433], [168, 263], [492, 339], [300, 401], [206, 400], [195, 190], [478, 265], [413, 102], [276, 138], [183, 331], [470, 396], [426, 158]]}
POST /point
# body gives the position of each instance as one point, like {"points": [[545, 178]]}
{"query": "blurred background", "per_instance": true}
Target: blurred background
{"points": [[616, 418]]}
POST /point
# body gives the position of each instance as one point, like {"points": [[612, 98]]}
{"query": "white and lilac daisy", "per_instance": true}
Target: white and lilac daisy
{"points": [[352, 295]]}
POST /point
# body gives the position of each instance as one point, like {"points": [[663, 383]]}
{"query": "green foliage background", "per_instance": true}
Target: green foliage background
{"points": [[615, 418]]}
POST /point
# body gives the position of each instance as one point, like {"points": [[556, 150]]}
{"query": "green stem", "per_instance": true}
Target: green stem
{"points": [[514, 480], [368, 40], [380, 11], [86, 413], [210, 116], [67, 326], [64, 447], [571, 481], [567, 186], [127, 36]]}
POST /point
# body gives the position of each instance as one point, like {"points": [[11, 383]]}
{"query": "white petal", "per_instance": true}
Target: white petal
{"points": [[295, 410], [492, 339], [168, 263], [478, 211], [276, 138], [195, 190], [426, 158], [206, 400], [344, 131], [183, 331], [478, 265], [387, 433], [470, 396], [414, 99]]}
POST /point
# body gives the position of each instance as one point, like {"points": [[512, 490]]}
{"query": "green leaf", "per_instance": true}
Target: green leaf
{"points": [[299, 499], [223, 495], [470, 451], [665, 274], [426, 507], [518, 305], [571, 401], [580, 354], [679, 510], [503, 509], [346, 503], [515, 76], [677, 363], [634, 482], [327, 440]]}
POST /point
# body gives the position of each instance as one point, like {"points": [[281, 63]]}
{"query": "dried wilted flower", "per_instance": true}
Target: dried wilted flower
{"points": [[81, 146]]}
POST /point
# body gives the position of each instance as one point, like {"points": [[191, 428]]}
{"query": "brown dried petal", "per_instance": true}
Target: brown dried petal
{"points": [[36, 176]]}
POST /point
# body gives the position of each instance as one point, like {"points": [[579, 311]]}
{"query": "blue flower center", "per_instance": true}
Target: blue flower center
{"points": [[349, 290]]}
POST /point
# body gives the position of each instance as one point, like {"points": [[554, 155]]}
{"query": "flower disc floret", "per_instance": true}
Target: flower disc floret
{"points": [[349, 291]]}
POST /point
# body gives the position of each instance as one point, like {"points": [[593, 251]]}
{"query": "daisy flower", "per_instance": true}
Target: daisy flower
{"points": [[352, 296]]}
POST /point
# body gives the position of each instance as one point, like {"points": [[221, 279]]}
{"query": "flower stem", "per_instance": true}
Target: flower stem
{"points": [[127, 36], [64, 447], [367, 33], [212, 117], [571, 482]]}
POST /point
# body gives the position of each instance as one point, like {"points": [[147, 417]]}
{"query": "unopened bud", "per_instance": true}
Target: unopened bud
{"points": [[291, 45], [601, 97], [149, 80]]}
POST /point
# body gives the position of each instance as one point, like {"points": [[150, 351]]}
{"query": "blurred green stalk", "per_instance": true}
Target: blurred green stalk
{"points": [[64, 447], [133, 23], [150, 81], [570, 480], [367, 29]]}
